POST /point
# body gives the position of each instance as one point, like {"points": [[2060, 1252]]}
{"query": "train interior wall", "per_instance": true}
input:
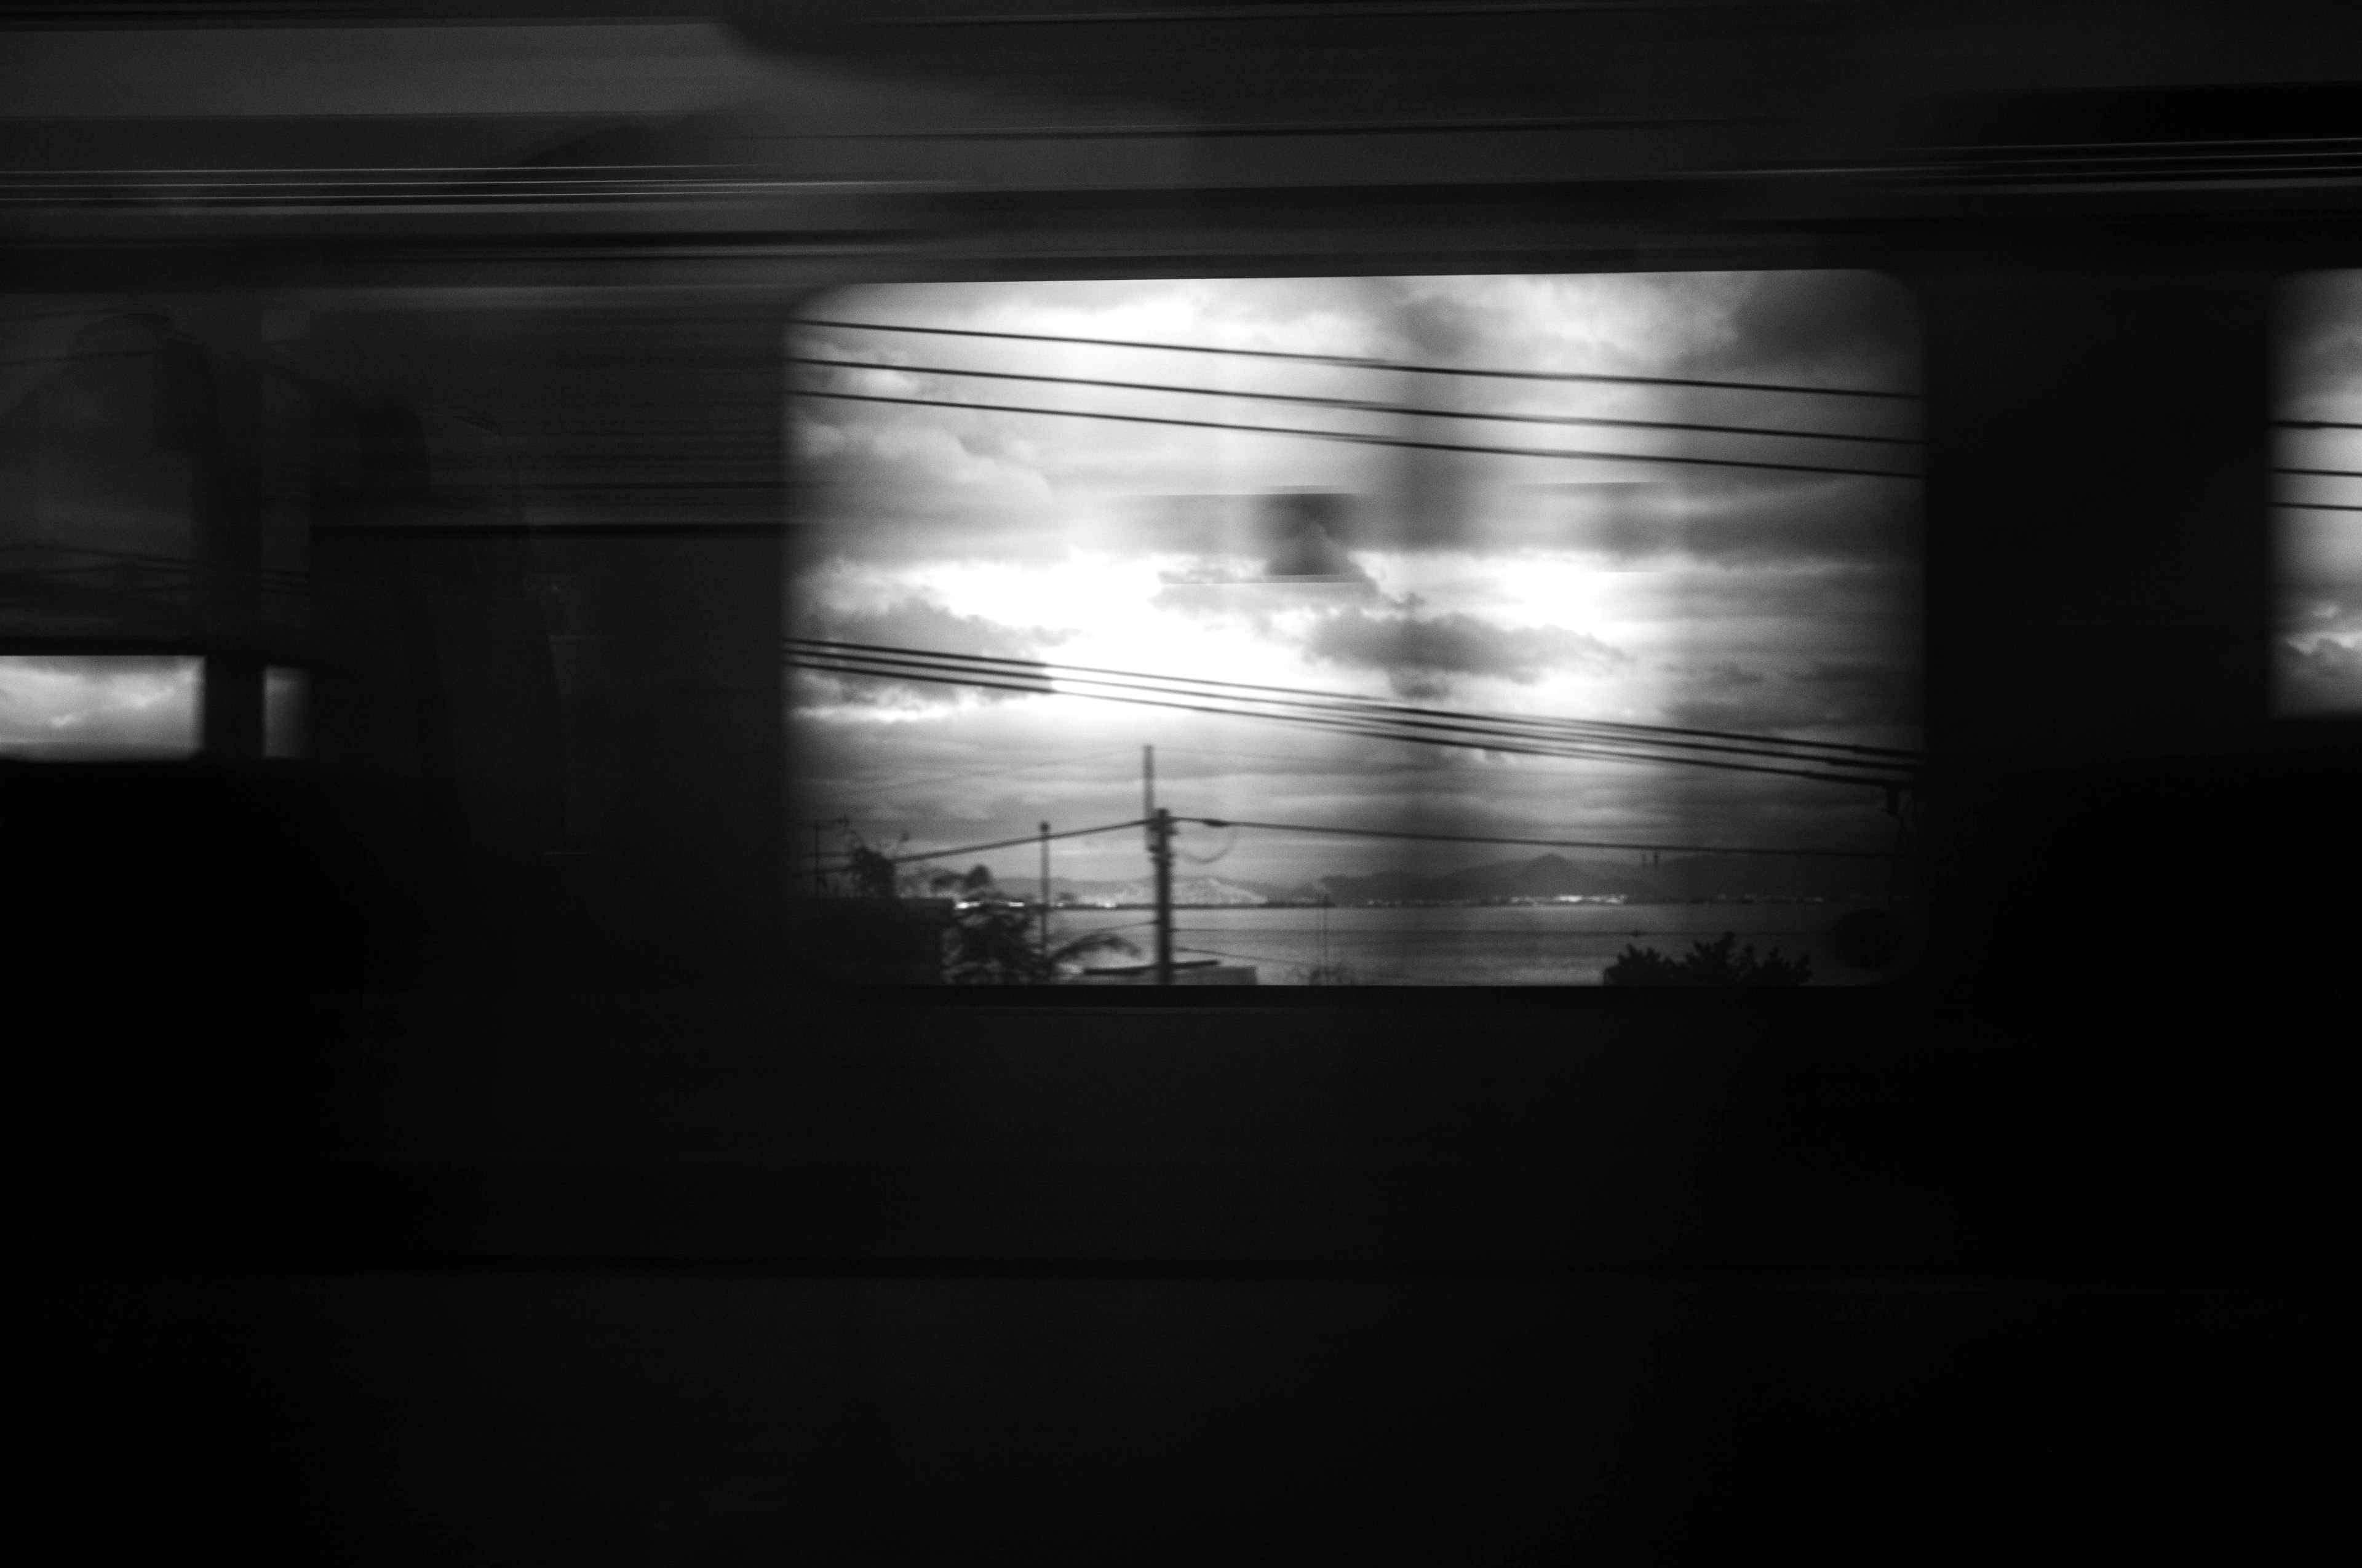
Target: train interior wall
{"points": [[421, 1160]]}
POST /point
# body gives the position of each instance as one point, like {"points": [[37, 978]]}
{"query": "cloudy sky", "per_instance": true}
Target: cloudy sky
{"points": [[2321, 551], [1590, 588], [81, 706]]}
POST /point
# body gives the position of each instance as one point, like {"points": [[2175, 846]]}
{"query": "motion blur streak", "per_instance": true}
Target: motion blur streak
{"points": [[433, 1139]]}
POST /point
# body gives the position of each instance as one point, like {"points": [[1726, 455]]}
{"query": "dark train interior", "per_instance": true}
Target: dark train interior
{"points": [[429, 1147]]}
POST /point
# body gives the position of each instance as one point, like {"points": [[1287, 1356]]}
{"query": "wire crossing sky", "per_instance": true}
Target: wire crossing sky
{"points": [[1365, 364], [1364, 614], [1385, 721]]}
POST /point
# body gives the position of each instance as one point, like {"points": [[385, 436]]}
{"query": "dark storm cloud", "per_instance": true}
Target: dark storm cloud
{"points": [[1287, 537], [2321, 347], [1750, 522], [1257, 604], [915, 623], [908, 490], [1820, 693], [1839, 329], [845, 512], [1420, 655], [1735, 521], [1437, 328]]}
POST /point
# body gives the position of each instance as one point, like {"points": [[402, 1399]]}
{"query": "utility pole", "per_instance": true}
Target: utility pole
{"points": [[1045, 892], [1160, 850]]}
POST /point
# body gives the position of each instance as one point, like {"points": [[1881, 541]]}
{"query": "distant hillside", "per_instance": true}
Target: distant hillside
{"points": [[1143, 889]]}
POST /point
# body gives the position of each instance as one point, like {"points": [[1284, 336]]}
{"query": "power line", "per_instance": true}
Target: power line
{"points": [[1371, 727], [1297, 764], [1360, 440], [1364, 364], [1382, 705], [2316, 506], [1353, 722], [1375, 706], [1538, 843], [1362, 405], [1368, 730]]}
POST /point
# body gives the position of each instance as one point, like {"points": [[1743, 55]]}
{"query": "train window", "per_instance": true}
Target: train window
{"points": [[56, 707], [1449, 631], [284, 700], [2318, 497]]}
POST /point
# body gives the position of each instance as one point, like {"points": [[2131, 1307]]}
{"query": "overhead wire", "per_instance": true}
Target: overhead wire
{"points": [[1813, 852], [1371, 731], [1219, 855], [1377, 704], [1535, 842], [1368, 730], [1360, 439], [1358, 405], [1356, 363], [1367, 709]]}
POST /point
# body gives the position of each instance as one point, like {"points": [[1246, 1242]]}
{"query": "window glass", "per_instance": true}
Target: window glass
{"points": [[99, 708], [285, 696], [2318, 497], [1476, 630]]}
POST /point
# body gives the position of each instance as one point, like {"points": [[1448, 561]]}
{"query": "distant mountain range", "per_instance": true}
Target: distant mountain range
{"points": [[1675, 879], [1185, 891]]}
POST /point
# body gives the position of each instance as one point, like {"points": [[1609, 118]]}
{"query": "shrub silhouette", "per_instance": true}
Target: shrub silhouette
{"points": [[996, 944], [1708, 964]]}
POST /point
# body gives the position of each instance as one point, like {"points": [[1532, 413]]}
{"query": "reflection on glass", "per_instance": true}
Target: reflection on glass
{"points": [[1492, 618], [284, 692], [87, 708], [99, 423], [2318, 639]]}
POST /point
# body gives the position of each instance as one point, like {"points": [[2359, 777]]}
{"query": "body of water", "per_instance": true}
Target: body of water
{"points": [[1519, 944]]}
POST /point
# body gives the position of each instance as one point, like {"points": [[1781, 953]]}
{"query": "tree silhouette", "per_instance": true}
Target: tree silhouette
{"points": [[1708, 964], [870, 871], [994, 944]]}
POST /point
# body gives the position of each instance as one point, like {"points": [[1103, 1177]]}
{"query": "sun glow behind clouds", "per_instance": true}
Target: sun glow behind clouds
{"points": [[1535, 586]]}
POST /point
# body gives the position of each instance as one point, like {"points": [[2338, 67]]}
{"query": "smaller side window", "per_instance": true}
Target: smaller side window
{"points": [[2317, 497]]}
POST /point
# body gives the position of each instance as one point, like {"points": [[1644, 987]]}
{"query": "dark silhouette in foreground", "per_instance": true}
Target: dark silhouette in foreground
{"points": [[1708, 964], [996, 944]]}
